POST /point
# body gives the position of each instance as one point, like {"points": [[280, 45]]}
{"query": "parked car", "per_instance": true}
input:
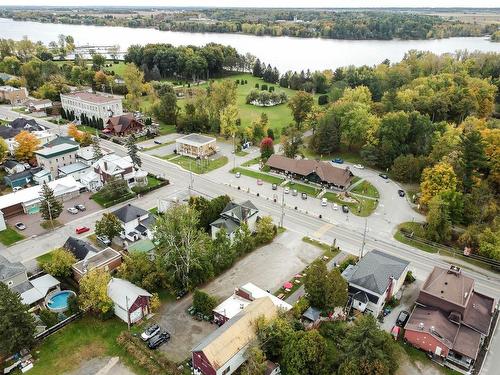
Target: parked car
{"points": [[287, 190], [401, 193], [20, 226], [157, 142], [80, 207], [104, 240], [338, 160], [72, 210], [259, 182], [275, 187], [80, 230], [335, 206], [402, 318], [27, 165], [359, 166], [16, 188], [345, 209], [324, 202], [158, 340], [384, 176], [295, 192], [238, 174], [150, 332], [181, 293], [303, 196]]}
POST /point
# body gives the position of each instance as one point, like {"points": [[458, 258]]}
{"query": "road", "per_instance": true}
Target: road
{"points": [[347, 234]]}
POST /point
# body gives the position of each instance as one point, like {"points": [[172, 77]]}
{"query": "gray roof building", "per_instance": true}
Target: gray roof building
{"points": [[79, 248], [9, 270], [129, 212], [234, 215]]}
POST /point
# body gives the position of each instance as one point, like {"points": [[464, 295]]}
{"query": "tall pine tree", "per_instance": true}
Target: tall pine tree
{"points": [[133, 150], [96, 148], [473, 158], [50, 206]]}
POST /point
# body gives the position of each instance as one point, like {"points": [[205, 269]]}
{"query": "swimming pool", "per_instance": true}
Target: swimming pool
{"points": [[58, 300]]}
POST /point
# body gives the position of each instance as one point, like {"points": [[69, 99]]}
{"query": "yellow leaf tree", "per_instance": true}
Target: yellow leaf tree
{"points": [[228, 117], [60, 263], [435, 180], [94, 292], [27, 144], [4, 150]]}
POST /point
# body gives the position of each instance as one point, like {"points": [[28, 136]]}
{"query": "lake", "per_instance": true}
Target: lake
{"points": [[286, 53]]}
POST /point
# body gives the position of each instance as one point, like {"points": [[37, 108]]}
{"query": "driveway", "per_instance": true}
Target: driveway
{"points": [[409, 296], [267, 267]]}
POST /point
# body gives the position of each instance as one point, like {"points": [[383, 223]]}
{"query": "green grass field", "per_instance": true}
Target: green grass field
{"points": [[257, 175], [10, 236], [310, 190], [366, 189], [363, 208], [197, 166]]}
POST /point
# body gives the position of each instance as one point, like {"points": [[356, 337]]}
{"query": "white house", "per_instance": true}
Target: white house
{"points": [[375, 279], [233, 216], [92, 105], [136, 222], [35, 105], [74, 169], [13, 167], [130, 302]]}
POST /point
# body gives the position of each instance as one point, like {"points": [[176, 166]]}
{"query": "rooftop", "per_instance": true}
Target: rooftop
{"points": [[101, 258], [91, 97], [51, 151], [195, 139], [72, 168], [129, 212], [39, 289], [9, 269], [79, 248], [124, 293]]}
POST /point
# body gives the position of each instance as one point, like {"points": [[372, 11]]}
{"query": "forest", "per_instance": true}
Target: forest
{"points": [[353, 25]]}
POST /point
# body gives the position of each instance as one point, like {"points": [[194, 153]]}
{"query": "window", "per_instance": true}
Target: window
{"points": [[226, 370]]}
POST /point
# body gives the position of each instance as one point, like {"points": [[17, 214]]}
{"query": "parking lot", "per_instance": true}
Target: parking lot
{"points": [[267, 267], [32, 222]]}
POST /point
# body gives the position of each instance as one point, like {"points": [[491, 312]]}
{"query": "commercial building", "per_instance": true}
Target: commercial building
{"points": [[13, 95], [196, 146], [92, 105], [53, 157]]}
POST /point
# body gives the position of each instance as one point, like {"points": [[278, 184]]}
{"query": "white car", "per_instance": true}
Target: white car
{"points": [[324, 202], [73, 210], [359, 166], [287, 190], [16, 188], [335, 206], [151, 331]]}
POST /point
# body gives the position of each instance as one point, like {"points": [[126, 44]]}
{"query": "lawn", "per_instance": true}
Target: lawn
{"points": [[241, 153], [79, 342], [363, 208], [414, 355], [366, 189], [197, 166], [263, 176], [10, 236], [105, 202], [310, 190], [117, 68], [348, 156], [327, 249], [251, 162]]}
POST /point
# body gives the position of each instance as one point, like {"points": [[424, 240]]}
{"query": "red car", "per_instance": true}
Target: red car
{"points": [[80, 230]]}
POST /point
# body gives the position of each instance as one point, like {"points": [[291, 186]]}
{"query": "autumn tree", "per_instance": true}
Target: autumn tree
{"points": [[27, 144], [134, 81], [4, 150], [291, 141], [141, 270], [109, 225], [60, 263], [50, 206], [256, 362], [435, 180], [17, 326], [266, 148], [228, 124], [93, 296], [304, 353], [438, 226], [300, 104]]}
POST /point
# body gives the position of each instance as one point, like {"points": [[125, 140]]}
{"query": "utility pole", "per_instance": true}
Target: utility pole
{"points": [[128, 313], [364, 240], [282, 207], [234, 153], [50, 216]]}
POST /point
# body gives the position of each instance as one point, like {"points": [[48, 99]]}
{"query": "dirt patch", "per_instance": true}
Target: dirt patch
{"points": [[69, 361]]}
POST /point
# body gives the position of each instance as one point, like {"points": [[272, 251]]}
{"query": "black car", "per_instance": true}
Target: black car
{"points": [[157, 142], [384, 176], [158, 340], [402, 318], [181, 294], [345, 209], [401, 193]]}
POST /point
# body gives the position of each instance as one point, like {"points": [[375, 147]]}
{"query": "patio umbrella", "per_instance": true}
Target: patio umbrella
{"points": [[288, 285]]}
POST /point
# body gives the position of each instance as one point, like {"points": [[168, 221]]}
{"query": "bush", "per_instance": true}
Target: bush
{"points": [[73, 307], [263, 87], [48, 317], [203, 302], [409, 278], [237, 81], [323, 99], [256, 85], [351, 260]]}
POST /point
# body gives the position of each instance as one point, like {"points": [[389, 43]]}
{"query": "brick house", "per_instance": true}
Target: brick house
{"points": [[107, 259], [123, 125]]}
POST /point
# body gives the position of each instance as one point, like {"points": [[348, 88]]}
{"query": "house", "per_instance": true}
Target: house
{"points": [[319, 172], [8, 132], [42, 176], [240, 299], [107, 259], [79, 248], [13, 167], [113, 166], [56, 155], [450, 320], [123, 125], [136, 222], [21, 179], [13, 95], [38, 105], [28, 200], [75, 169], [375, 279], [196, 146], [224, 350], [92, 105], [31, 290], [233, 216], [130, 302], [86, 156]]}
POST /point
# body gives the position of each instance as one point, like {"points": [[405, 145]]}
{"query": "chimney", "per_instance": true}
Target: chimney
{"points": [[454, 270], [105, 165]]}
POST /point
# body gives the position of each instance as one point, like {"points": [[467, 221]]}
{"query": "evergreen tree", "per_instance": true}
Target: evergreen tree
{"points": [[63, 114], [132, 150], [50, 206], [473, 158], [96, 148], [257, 71]]}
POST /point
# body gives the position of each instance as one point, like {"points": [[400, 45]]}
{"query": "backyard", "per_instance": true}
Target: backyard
{"points": [[10, 236]]}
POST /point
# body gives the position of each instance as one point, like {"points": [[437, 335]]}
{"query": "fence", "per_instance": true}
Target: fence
{"points": [[57, 327]]}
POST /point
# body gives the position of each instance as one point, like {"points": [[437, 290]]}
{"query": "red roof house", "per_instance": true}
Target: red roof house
{"points": [[123, 125]]}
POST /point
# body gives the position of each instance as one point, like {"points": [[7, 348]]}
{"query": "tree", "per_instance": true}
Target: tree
{"points": [[435, 180], [273, 335], [326, 139], [139, 269], [325, 290], [438, 226], [50, 206], [166, 108], [96, 148], [305, 354], [408, 168], [180, 246], [133, 151], [98, 61], [300, 104], [291, 141], [209, 210], [60, 263], [27, 144], [114, 188], [93, 295], [473, 158], [228, 124], [134, 81], [17, 326], [256, 362], [203, 302], [368, 350], [4, 150], [265, 230], [109, 226], [266, 148], [222, 254]]}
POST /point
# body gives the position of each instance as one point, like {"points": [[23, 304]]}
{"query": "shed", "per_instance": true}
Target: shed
{"points": [[131, 303]]}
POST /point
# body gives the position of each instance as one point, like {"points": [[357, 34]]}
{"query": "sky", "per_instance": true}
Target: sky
{"points": [[263, 3]]}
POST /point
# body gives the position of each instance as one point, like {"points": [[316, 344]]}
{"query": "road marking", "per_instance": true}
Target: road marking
{"points": [[322, 230]]}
